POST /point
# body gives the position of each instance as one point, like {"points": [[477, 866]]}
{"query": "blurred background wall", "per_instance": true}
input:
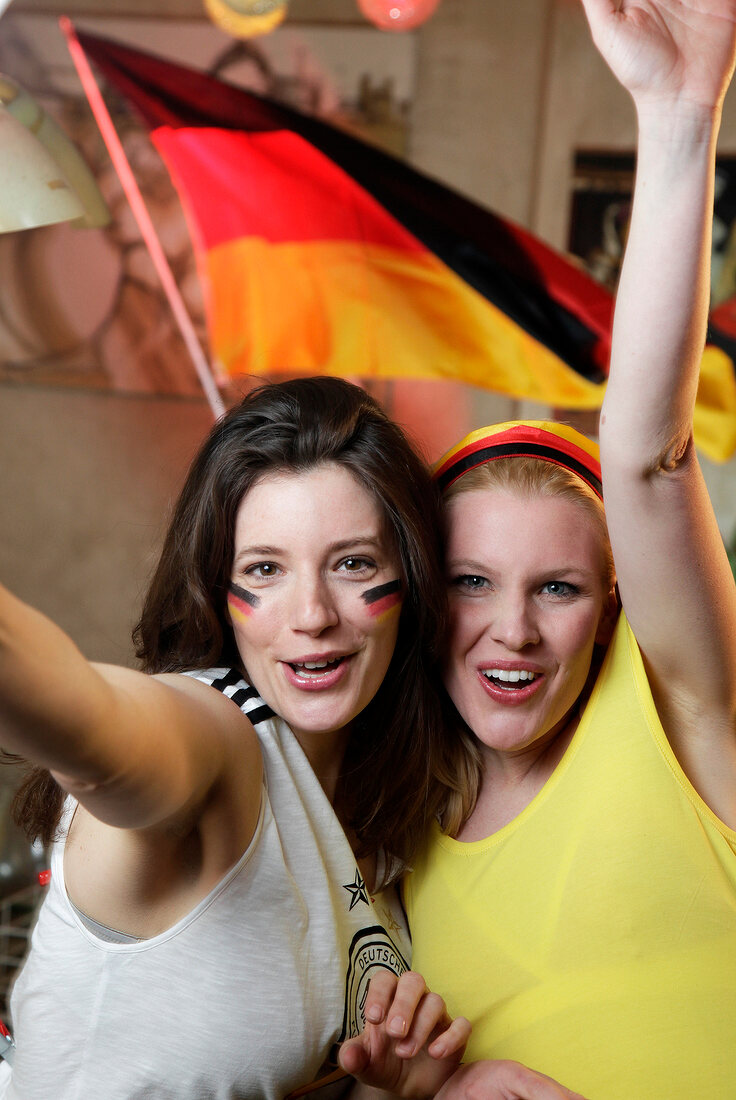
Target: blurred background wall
{"points": [[493, 98]]}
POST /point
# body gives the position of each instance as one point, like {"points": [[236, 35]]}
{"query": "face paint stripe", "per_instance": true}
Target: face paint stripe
{"points": [[373, 595], [241, 603], [382, 599], [236, 614], [385, 609], [244, 594]]}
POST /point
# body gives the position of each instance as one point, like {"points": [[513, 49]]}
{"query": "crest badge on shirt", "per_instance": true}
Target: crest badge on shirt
{"points": [[371, 950]]}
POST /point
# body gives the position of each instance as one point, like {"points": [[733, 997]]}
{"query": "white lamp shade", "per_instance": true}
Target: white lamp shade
{"points": [[22, 106], [33, 190]]}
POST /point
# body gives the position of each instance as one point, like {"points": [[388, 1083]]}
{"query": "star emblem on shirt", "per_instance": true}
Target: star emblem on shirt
{"points": [[356, 889], [389, 921]]}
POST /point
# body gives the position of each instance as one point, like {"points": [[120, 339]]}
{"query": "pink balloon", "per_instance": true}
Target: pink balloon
{"points": [[398, 15]]}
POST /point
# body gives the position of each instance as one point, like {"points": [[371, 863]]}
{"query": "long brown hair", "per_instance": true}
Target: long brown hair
{"points": [[387, 789]]}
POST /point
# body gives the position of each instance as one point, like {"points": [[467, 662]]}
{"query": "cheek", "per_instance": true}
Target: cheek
{"points": [[467, 622], [576, 645], [254, 622], [456, 647], [381, 630]]}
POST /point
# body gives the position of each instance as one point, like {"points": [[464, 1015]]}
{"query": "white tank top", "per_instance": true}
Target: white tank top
{"points": [[246, 996]]}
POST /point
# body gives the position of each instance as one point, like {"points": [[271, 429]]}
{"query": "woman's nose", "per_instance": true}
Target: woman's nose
{"points": [[313, 606], [514, 622]]}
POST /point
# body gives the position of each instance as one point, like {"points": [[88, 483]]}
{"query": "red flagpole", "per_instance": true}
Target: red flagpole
{"points": [[142, 217]]}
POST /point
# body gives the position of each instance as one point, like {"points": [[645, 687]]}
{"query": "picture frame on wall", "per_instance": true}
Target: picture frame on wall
{"points": [[600, 209]]}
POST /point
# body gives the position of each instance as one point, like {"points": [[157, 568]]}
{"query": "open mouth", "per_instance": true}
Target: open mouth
{"points": [[313, 670], [510, 679]]}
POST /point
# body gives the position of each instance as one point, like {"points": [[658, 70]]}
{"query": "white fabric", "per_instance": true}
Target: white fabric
{"points": [[244, 997]]}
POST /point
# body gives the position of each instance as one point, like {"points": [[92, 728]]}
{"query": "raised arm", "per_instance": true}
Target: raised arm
{"points": [[676, 58], [136, 750]]}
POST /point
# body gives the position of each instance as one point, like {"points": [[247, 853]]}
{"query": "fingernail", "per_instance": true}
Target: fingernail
{"points": [[437, 1050], [405, 1049], [373, 1014], [396, 1026]]}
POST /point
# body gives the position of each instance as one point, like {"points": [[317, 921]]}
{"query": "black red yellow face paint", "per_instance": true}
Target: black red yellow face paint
{"points": [[241, 603], [380, 601], [383, 599]]}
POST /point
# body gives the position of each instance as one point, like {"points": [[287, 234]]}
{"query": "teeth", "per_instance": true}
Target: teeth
{"points": [[307, 668], [510, 676]]}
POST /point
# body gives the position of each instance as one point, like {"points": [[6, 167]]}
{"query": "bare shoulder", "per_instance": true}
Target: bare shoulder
{"points": [[181, 748], [225, 732], [157, 687], [141, 855], [188, 702]]}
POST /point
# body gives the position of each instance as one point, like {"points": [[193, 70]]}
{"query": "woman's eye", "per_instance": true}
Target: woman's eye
{"points": [[470, 581], [559, 588], [262, 569], [356, 565]]}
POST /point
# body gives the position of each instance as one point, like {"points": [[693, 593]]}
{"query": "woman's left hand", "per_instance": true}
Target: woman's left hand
{"points": [[409, 1046], [667, 50]]}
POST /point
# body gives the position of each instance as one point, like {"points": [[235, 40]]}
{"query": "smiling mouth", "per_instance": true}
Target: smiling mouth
{"points": [[510, 679], [312, 670]]}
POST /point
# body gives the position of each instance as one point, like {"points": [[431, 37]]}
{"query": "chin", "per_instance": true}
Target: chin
{"points": [[317, 723]]}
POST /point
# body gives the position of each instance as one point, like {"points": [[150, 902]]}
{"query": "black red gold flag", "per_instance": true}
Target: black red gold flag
{"points": [[321, 254]]}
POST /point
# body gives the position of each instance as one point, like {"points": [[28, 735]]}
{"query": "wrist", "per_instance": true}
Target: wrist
{"points": [[680, 124]]}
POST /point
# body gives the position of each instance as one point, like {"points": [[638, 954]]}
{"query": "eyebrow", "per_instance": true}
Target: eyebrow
{"points": [[353, 543], [360, 540], [558, 571]]}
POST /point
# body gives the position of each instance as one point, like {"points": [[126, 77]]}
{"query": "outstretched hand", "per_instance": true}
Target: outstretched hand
{"points": [[667, 50], [409, 1046]]}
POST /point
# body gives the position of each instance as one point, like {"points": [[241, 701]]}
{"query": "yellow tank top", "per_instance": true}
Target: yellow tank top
{"points": [[594, 937]]}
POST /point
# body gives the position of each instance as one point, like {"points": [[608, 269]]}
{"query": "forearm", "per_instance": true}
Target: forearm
{"points": [[676, 62], [662, 301], [50, 696], [674, 579], [136, 750]]}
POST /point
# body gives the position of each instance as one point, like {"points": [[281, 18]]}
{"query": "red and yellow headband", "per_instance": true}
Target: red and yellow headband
{"points": [[544, 439]]}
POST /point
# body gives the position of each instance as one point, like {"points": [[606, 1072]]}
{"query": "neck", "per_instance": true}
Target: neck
{"points": [[325, 753], [511, 781]]}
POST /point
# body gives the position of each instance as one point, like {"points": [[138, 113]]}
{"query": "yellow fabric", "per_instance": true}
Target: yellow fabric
{"points": [[715, 409], [594, 937]]}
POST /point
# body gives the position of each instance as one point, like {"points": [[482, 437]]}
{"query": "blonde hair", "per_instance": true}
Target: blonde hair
{"points": [[536, 477], [526, 477]]}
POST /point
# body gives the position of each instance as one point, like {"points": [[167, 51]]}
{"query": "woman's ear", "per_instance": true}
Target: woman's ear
{"points": [[609, 614]]}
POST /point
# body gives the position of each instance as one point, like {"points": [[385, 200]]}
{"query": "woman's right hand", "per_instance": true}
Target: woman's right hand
{"points": [[409, 1046], [664, 53], [502, 1080]]}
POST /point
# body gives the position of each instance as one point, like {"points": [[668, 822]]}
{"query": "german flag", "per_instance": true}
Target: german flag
{"points": [[321, 254], [715, 408]]}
